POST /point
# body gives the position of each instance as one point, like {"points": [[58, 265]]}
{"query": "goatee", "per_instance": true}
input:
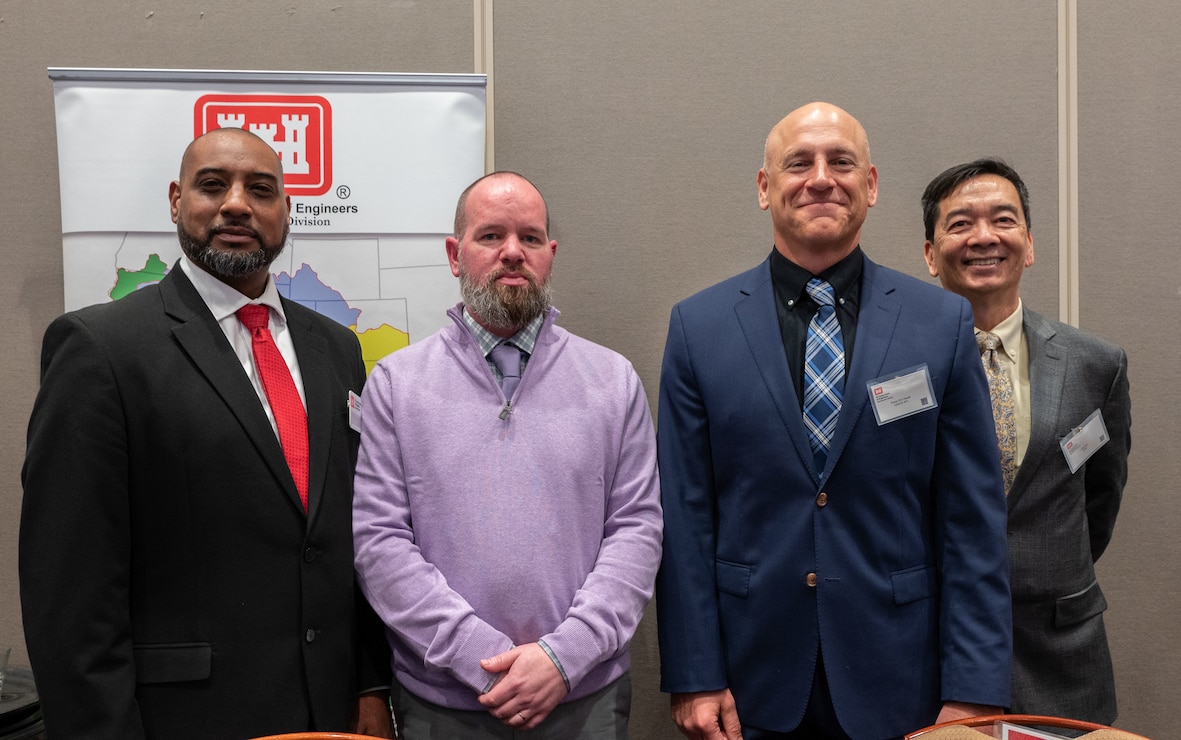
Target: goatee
{"points": [[228, 264]]}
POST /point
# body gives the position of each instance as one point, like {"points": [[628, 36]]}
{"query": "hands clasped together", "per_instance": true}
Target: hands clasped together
{"points": [[528, 688]]}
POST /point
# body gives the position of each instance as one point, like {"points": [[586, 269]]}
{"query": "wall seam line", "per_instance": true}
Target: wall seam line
{"points": [[1068, 163]]}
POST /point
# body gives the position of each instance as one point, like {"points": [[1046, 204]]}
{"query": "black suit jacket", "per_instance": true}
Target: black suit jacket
{"points": [[1060, 523], [172, 585]]}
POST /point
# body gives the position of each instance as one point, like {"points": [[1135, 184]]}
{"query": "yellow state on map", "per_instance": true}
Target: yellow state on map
{"points": [[379, 342]]}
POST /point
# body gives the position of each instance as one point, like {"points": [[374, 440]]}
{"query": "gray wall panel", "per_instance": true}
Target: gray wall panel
{"points": [[1129, 72], [645, 130]]}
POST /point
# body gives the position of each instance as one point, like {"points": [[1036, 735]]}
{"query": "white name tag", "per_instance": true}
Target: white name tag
{"points": [[902, 394], [354, 403], [1084, 440]]}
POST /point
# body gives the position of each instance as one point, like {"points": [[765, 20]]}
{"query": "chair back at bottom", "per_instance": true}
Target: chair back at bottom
{"points": [[954, 730]]}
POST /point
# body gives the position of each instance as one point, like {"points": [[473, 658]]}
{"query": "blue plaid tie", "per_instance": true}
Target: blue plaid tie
{"points": [[824, 372]]}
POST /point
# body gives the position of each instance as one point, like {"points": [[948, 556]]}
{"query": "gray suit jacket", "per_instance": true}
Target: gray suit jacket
{"points": [[1060, 523]]}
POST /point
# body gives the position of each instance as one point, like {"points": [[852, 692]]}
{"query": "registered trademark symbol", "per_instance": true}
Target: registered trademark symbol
{"points": [[343, 192]]}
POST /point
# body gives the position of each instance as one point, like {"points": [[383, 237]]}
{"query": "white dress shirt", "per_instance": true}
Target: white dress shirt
{"points": [[224, 302]]}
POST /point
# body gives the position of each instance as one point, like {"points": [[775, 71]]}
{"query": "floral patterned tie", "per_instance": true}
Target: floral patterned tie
{"points": [[1000, 388]]}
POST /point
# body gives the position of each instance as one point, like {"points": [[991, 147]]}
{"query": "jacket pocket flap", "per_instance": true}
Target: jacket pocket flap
{"points": [[1079, 607], [913, 584], [172, 662], [732, 578]]}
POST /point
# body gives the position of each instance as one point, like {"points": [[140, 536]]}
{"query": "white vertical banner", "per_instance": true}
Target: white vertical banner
{"points": [[373, 163]]}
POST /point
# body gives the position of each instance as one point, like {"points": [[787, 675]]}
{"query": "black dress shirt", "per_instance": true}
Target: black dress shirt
{"points": [[796, 308]]}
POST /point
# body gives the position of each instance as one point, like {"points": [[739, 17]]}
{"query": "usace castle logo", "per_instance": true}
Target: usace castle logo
{"points": [[298, 127]]}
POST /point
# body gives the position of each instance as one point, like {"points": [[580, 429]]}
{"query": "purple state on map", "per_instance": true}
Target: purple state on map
{"points": [[306, 289]]}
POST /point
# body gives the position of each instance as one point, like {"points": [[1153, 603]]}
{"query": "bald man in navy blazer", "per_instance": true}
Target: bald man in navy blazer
{"points": [[860, 593]]}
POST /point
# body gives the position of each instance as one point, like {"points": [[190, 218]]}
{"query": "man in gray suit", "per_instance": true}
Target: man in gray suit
{"points": [[1063, 415]]}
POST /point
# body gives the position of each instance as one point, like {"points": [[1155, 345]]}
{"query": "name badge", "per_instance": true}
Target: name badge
{"points": [[354, 404], [902, 394], [1084, 440]]}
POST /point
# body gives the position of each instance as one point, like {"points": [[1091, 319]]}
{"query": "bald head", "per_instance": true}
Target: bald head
{"points": [[212, 139], [811, 115], [818, 183], [507, 176]]}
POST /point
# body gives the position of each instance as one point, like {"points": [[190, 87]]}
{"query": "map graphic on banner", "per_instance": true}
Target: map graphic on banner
{"points": [[380, 318], [373, 164], [306, 289]]}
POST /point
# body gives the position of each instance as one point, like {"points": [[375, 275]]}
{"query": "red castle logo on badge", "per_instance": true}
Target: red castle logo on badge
{"points": [[877, 390], [298, 128]]}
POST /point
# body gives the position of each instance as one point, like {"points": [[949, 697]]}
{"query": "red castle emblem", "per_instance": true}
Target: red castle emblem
{"points": [[298, 128]]}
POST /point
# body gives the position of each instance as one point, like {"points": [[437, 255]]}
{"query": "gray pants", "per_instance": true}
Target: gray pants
{"points": [[599, 716]]}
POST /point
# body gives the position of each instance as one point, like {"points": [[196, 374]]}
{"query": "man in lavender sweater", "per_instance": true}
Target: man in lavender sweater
{"points": [[506, 517]]}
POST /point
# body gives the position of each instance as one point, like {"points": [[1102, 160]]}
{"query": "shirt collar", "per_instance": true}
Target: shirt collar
{"points": [[224, 301], [525, 339], [1009, 332], [842, 276]]}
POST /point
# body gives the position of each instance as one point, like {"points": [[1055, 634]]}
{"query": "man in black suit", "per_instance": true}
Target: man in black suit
{"points": [[183, 573], [1069, 432]]}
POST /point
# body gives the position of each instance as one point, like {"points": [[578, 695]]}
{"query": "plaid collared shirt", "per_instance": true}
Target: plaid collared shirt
{"points": [[524, 340]]}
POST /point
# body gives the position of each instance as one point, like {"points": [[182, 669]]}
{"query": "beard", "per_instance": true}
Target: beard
{"points": [[506, 308], [228, 264]]}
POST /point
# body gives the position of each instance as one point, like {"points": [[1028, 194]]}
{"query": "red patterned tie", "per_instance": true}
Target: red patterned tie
{"points": [[282, 395]]}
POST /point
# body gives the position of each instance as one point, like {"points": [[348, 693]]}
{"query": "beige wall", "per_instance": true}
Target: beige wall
{"points": [[643, 124], [1130, 282]]}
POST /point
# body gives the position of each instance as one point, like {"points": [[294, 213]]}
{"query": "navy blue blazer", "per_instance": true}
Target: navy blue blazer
{"points": [[892, 560]]}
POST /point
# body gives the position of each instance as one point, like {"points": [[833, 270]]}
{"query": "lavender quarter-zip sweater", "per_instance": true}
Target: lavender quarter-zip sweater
{"points": [[482, 522]]}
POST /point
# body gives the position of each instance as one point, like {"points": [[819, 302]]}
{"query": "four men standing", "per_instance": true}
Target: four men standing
{"points": [[834, 562]]}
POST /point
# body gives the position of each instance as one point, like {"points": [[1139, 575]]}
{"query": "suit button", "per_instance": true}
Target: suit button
{"points": [[309, 554], [822, 499], [310, 635], [811, 580]]}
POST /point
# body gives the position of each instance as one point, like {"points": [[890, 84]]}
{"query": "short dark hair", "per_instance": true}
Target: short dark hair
{"points": [[461, 206], [947, 181]]}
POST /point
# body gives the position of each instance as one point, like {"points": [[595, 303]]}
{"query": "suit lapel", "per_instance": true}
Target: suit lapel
{"points": [[203, 341], [311, 349], [876, 321], [759, 322], [1047, 376]]}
